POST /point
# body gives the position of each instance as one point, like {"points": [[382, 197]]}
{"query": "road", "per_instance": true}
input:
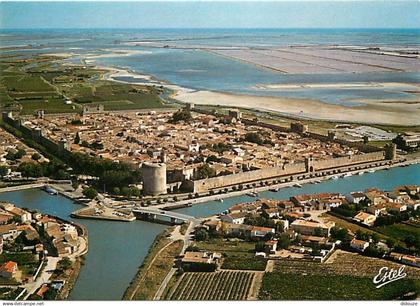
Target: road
{"points": [[43, 277], [22, 187], [164, 213], [186, 238]]}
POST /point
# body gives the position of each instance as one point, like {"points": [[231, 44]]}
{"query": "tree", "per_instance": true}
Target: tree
{"points": [[375, 237], [62, 175], [65, 263], [3, 171], [126, 192], [205, 171], [15, 155], [283, 242], [29, 169], [254, 138], [116, 190], [212, 158], [362, 235], [20, 153], [390, 242], [117, 178], [201, 235], [90, 193], [36, 156], [181, 115], [339, 233], [77, 138], [134, 192], [260, 246], [318, 232]]}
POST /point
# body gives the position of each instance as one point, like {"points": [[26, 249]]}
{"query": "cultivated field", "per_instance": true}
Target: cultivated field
{"points": [[238, 255], [224, 285], [344, 276], [40, 82]]}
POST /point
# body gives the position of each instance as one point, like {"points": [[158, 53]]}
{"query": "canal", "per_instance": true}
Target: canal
{"points": [[116, 249]]}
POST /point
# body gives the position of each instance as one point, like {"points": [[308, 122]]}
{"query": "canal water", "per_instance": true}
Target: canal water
{"points": [[116, 249]]}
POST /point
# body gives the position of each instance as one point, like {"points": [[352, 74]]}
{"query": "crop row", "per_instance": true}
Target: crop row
{"points": [[224, 285], [343, 264]]}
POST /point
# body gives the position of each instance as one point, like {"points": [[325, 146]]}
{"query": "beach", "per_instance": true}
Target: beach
{"points": [[374, 112], [406, 113]]}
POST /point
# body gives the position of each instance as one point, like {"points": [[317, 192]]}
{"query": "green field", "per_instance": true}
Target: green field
{"points": [[344, 276], [279, 286], [399, 230], [237, 255], [42, 83]]}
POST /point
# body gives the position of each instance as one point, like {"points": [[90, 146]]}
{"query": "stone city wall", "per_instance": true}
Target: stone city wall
{"points": [[244, 177], [205, 185], [36, 135]]}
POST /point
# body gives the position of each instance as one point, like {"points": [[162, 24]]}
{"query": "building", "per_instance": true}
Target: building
{"points": [[260, 232], [377, 209], [270, 246], [9, 231], [284, 223], [359, 245], [235, 218], [93, 109], [355, 197], [201, 257], [411, 260], [365, 218], [243, 207], [312, 228], [272, 212], [9, 269], [154, 178], [411, 140], [396, 207], [25, 216]]}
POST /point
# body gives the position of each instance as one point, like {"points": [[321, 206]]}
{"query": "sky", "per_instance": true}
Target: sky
{"points": [[210, 14]]}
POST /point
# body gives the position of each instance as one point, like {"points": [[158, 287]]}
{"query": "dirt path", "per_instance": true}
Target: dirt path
{"points": [[132, 295], [255, 286]]}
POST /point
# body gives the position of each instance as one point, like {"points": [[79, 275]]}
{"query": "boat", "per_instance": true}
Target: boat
{"points": [[297, 185], [252, 194], [334, 177], [273, 189], [371, 171], [361, 173], [347, 175], [50, 190], [220, 200]]}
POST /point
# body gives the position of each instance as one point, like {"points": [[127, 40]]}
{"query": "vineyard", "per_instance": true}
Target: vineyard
{"points": [[280, 286], [224, 285], [343, 276]]}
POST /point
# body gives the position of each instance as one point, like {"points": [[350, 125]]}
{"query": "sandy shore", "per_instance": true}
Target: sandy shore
{"points": [[372, 113], [353, 85]]}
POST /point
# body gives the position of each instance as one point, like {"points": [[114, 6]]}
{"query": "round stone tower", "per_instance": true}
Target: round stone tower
{"points": [[154, 178], [391, 151]]}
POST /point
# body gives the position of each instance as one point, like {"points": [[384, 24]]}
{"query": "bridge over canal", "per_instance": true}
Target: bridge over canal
{"points": [[151, 214]]}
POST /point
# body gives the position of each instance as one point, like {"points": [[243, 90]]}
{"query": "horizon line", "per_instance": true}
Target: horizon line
{"points": [[212, 28]]}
